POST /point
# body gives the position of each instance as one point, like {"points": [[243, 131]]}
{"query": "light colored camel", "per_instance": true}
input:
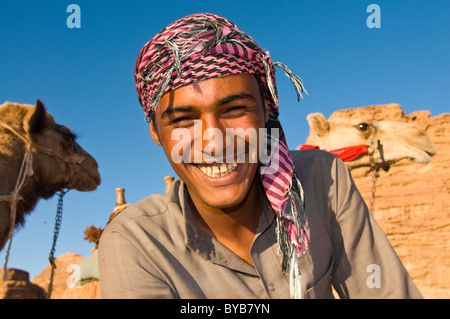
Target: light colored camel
{"points": [[397, 138], [411, 200], [37, 159]]}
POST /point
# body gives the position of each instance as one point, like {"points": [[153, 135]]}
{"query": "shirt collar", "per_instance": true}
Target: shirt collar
{"points": [[209, 248]]}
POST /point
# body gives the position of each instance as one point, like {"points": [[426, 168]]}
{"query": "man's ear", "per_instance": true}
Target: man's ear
{"points": [[34, 121], [154, 132]]}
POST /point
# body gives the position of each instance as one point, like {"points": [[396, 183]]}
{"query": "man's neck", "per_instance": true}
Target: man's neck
{"points": [[235, 227]]}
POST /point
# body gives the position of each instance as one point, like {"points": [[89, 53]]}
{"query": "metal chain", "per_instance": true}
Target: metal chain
{"points": [[375, 168], [374, 189], [58, 219]]}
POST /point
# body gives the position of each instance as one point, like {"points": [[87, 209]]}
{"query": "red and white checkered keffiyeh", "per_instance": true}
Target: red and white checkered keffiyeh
{"points": [[203, 46]]}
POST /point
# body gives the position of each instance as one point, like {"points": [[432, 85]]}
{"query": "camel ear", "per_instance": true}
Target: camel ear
{"points": [[318, 124], [35, 119]]}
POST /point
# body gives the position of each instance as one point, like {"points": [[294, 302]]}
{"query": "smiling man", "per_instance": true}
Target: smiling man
{"points": [[247, 218]]}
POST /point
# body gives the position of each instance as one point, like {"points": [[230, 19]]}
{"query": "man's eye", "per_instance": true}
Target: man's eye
{"points": [[235, 109], [182, 120]]}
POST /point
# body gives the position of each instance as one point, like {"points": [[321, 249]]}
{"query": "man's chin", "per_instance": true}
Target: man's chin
{"points": [[220, 199]]}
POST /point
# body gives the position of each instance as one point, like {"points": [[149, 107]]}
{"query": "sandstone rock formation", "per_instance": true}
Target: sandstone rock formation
{"points": [[89, 290], [412, 200], [60, 275], [18, 286]]}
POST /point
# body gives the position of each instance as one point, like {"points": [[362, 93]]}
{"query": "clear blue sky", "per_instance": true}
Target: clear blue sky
{"points": [[85, 78]]}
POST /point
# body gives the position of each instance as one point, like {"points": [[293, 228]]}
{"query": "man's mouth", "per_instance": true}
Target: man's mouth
{"points": [[215, 170]]}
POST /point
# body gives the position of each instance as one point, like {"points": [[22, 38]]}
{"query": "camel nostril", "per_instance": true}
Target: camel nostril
{"points": [[431, 150]]}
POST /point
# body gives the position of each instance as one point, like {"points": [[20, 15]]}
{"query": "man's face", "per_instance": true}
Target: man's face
{"points": [[218, 170]]}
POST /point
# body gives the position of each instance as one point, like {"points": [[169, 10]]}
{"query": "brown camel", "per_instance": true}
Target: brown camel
{"points": [[397, 139], [37, 159]]}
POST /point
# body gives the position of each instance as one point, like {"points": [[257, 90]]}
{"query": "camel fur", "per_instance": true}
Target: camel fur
{"points": [[398, 139], [57, 161]]}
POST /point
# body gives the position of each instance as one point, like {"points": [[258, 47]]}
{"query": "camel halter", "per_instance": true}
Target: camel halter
{"points": [[26, 170], [374, 167], [350, 153]]}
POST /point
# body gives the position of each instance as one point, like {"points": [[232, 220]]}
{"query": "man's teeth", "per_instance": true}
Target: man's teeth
{"points": [[217, 171]]}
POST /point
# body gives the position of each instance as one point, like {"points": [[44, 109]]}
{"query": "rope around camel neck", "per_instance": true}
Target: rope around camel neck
{"points": [[26, 170]]}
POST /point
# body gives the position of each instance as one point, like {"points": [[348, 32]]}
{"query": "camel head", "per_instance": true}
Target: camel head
{"points": [[75, 169], [397, 140], [31, 141]]}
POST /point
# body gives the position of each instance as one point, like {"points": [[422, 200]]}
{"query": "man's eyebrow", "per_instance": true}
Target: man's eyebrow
{"points": [[233, 97], [172, 110]]}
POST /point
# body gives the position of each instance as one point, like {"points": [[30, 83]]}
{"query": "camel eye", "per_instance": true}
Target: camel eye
{"points": [[363, 126]]}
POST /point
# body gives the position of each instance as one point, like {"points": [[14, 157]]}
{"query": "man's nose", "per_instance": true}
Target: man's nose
{"points": [[212, 138]]}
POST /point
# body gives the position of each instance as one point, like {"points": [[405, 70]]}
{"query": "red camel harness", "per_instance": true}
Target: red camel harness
{"points": [[346, 154], [350, 153]]}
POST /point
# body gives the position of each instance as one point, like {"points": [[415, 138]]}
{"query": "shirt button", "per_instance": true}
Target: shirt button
{"points": [[271, 287], [223, 260]]}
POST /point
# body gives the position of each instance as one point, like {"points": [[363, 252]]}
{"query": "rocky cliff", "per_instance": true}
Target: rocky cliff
{"points": [[60, 274], [18, 286], [412, 201]]}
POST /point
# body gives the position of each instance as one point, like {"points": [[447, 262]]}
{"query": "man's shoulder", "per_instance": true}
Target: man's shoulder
{"points": [[152, 209], [312, 156], [315, 166]]}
